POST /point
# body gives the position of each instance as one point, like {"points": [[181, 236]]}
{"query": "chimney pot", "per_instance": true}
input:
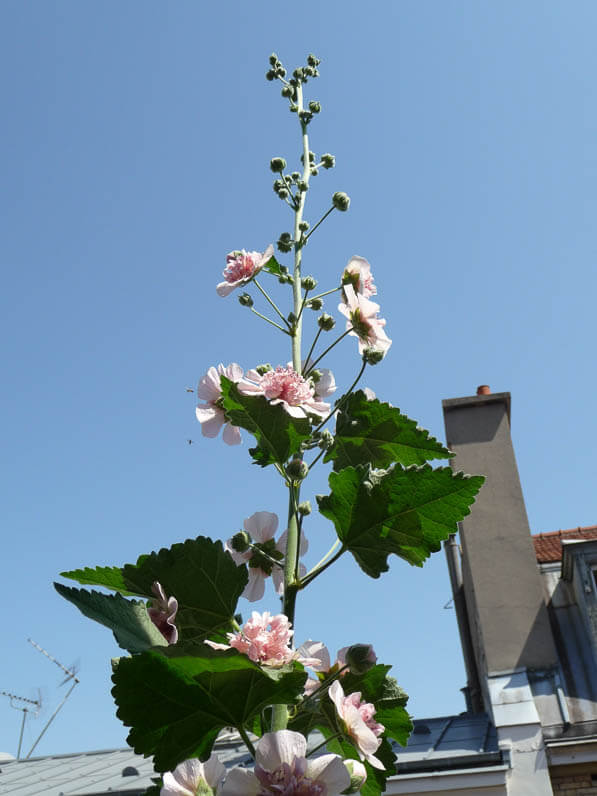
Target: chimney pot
{"points": [[483, 389]]}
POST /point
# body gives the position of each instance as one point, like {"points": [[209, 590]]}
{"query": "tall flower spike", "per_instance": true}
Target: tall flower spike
{"points": [[209, 414], [241, 267]]}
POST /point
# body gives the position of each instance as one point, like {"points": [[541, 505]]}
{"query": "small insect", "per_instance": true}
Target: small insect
{"points": [[189, 389], [189, 442]]}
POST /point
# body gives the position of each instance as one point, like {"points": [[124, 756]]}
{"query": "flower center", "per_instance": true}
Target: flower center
{"points": [[239, 267], [287, 385], [288, 781]]}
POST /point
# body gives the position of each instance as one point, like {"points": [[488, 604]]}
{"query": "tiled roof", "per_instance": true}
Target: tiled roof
{"points": [[548, 546]]}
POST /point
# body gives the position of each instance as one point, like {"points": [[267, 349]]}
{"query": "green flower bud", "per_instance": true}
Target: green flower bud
{"points": [[263, 369], [284, 245], [325, 322], [315, 304], [341, 201], [309, 70], [291, 317], [304, 226], [304, 508], [327, 439], [357, 773], [314, 107], [295, 176], [302, 185], [283, 193], [240, 542], [297, 469], [287, 91], [315, 376], [293, 108], [270, 75], [314, 172], [311, 158], [298, 73], [277, 164], [328, 161], [281, 72], [273, 59], [305, 116], [372, 357], [245, 300], [309, 283], [312, 60], [278, 185], [360, 658]]}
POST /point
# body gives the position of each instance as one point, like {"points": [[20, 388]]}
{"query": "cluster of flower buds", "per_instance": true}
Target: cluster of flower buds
{"points": [[285, 242], [285, 278], [325, 322], [277, 69]]}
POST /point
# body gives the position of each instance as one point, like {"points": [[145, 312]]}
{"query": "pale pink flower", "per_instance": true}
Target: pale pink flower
{"points": [[262, 527], [362, 317], [282, 769], [210, 414], [162, 612], [358, 274], [241, 267], [264, 639], [284, 386], [192, 777], [358, 722]]}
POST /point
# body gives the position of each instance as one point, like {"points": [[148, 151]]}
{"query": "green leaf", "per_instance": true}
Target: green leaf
{"points": [[272, 266], [372, 432], [177, 705], [199, 573], [278, 435], [407, 512], [128, 619]]}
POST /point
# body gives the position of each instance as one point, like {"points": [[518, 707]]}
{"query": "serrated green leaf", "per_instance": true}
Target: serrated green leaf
{"points": [[407, 512], [177, 705], [272, 266], [278, 435], [110, 577], [199, 573], [128, 619], [372, 432]]}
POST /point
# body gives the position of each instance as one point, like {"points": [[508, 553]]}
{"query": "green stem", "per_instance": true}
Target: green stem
{"points": [[327, 350], [269, 320], [272, 303], [325, 558], [247, 740], [321, 220], [312, 346], [315, 573], [279, 717], [327, 292]]}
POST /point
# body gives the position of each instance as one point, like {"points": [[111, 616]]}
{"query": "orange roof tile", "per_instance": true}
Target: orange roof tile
{"points": [[548, 546]]}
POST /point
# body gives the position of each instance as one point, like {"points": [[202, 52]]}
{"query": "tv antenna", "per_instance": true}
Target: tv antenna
{"points": [[71, 674], [27, 706]]}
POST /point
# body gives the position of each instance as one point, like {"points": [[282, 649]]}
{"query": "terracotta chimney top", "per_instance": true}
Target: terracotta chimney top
{"points": [[483, 389]]}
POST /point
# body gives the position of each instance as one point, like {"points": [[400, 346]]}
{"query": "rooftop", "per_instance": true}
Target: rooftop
{"points": [[548, 546]]}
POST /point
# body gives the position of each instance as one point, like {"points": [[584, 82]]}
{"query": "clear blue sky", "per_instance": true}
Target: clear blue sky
{"points": [[135, 143]]}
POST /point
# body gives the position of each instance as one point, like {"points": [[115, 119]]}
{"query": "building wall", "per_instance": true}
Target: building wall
{"points": [[578, 780]]}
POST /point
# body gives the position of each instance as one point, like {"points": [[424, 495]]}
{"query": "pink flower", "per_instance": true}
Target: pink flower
{"points": [[210, 414], [192, 777], [264, 639], [241, 267], [362, 318], [285, 386], [162, 612], [358, 722], [282, 769], [358, 274], [262, 527]]}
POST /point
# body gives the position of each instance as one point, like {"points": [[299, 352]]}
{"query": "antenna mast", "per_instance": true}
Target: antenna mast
{"points": [[15, 698]]}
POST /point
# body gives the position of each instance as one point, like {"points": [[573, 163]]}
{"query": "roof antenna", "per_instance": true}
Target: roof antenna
{"points": [[70, 675], [14, 700]]}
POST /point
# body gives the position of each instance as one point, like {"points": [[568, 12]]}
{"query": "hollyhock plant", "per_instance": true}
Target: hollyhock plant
{"points": [[358, 721], [283, 769], [162, 612], [241, 268], [194, 778], [286, 387], [358, 274], [262, 527], [210, 414], [362, 319]]}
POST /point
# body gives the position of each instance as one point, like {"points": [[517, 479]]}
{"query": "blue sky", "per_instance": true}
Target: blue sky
{"points": [[135, 144]]}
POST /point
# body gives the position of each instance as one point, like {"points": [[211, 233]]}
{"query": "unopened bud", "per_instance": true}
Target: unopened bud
{"points": [[284, 245], [309, 282], [287, 91], [312, 60], [273, 59], [328, 161], [297, 469], [240, 542], [315, 376], [302, 185], [304, 508], [245, 300], [327, 439], [298, 73], [291, 317], [305, 116], [341, 201], [295, 175], [311, 158], [372, 356], [283, 193], [360, 658], [304, 226], [263, 369], [277, 164], [314, 172], [325, 322], [270, 75], [314, 107], [293, 108], [357, 773], [316, 304], [278, 185]]}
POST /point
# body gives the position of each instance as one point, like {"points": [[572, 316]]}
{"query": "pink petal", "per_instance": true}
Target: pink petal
{"points": [[209, 388], [329, 770], [255, 588], [276, 748], [211, 427], [225, 288], [262, 525], [231, 435], [241, 782]]}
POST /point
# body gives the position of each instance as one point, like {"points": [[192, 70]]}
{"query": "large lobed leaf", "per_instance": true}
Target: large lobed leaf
{"points": [[407, 512], [128, 619], [278, 435], [199, 573], [177, 704], [372, 432]]}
